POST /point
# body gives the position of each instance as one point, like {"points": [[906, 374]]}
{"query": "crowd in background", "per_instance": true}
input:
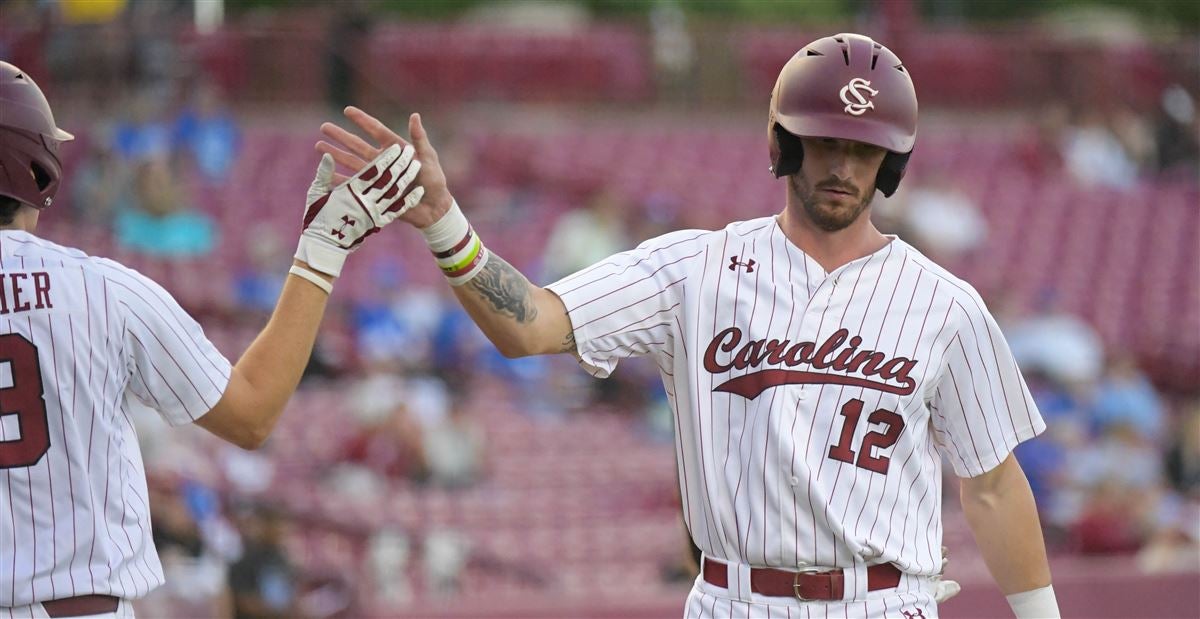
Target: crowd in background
{"points": [[1117, 472]]}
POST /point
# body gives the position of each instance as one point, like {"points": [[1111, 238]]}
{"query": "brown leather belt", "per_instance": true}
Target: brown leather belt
{"points": [[81, 606], [807, 586]]}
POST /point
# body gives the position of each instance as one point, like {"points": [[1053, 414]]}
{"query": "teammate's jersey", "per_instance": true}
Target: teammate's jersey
{"points": [[812, 409], [78, 336]]}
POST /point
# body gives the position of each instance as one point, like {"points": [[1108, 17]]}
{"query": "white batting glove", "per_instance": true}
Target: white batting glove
{"points": [[337, 219], [944, 589]]}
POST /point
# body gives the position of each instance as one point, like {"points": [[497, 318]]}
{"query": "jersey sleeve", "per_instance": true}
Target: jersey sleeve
{"points": [[981, 407], [624, 306], [173, 367]]}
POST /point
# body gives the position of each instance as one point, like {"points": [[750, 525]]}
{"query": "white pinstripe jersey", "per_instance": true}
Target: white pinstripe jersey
{"points": [[78, 335], [812, 409]]}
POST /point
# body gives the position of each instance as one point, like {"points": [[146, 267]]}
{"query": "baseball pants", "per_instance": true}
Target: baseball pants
{"points": [[913, 599]]}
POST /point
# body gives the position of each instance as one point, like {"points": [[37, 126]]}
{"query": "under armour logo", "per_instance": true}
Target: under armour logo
{"points": [[917, 614], [852, 95], [346, 221], [734, 264]]}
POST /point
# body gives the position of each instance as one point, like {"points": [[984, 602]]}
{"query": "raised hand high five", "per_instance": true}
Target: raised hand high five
{"points": [[353, 152], [337, 218]]}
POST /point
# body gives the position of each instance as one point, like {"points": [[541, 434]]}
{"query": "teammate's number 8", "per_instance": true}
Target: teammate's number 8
{"points": [[843, 452], [22, 396]]}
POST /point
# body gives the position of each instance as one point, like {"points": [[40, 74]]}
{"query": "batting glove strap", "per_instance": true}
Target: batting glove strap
{"points": [[320, 255], [338, 219], [1035, 604]]}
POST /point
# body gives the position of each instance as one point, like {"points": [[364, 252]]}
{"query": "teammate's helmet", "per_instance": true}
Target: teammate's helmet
{"points": [[845, 86], [30, 169]]}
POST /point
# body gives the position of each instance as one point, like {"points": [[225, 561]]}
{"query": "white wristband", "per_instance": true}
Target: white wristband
{"points": [[459, 252], [447, 231], [1036, 604], [317, 280]]}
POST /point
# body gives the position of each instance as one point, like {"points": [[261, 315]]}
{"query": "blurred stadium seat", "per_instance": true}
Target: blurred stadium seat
{"points": [[576, 511]]}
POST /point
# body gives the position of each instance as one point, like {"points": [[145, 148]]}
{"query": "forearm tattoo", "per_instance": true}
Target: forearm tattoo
{"points": [[506, 290], [568, 344]]}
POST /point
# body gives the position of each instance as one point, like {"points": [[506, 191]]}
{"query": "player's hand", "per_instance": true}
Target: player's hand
{"points": [[338, 217], [352, 151], [944, 589]]}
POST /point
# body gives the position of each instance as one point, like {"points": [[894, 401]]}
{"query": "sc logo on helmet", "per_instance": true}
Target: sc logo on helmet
{"points": [[852, 95]]}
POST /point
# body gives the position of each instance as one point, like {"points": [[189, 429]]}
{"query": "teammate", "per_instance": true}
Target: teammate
{"points": [[78, 335], [818, 369]]}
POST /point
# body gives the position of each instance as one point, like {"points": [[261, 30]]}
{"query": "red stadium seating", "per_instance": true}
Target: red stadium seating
{"points": [[572, 503], [1122, 261]]}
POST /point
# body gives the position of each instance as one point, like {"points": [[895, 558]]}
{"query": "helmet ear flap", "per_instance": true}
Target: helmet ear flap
{"points": [[890, 172], [788, 152]]}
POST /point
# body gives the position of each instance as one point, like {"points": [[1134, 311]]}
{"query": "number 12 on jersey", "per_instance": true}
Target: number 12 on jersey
{"points": [[843, 452]]}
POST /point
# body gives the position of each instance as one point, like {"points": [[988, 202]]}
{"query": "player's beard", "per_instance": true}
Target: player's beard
{"points": [[825, 214]]}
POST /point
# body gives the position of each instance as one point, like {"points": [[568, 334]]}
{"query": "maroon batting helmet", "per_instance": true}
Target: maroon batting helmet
{"points": [[845, 86], [30, 169]]}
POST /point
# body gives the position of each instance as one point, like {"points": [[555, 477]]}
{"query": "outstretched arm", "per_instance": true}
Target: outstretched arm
{"points": [[518, 317], [267, 374], [337, 219], [1002, 515]]}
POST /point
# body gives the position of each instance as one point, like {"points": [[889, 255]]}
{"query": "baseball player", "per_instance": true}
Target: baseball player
{"points": [[819, 370], [80, 335]]}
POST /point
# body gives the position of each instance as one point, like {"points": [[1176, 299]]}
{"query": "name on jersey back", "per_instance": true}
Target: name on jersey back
{"points": [[22, 292]]}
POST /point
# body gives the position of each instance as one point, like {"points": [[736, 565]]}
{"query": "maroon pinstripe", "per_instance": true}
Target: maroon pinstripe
{"points": [[816, 556], [167, 352], [879, 398], [984, 368], [171, 324], [619, 273], [49, 465], [708, 507], [725, 550], [767, 434], [808, 444], [737, 528], [12, 515], [958, 396], [924, 376], [70, 476], [157, 349], [841, 389], [664, 300], [983, 311], [687, 487], [982, 411]]}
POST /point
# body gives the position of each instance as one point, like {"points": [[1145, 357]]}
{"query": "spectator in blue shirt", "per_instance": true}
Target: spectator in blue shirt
{"points": [[1125, 396], [208, 133], [155, 222]]}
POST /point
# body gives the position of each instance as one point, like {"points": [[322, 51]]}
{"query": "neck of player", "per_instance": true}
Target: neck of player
{"points": [[25, 218], [831, 249]]}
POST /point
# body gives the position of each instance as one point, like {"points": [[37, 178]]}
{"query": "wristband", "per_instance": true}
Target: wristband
{"points": [[321, 256], [1035, 604], [459, 251], [316, 280]]}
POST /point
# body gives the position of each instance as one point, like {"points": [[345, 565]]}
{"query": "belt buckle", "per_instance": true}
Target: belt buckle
{"points": [[796, 582]]}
